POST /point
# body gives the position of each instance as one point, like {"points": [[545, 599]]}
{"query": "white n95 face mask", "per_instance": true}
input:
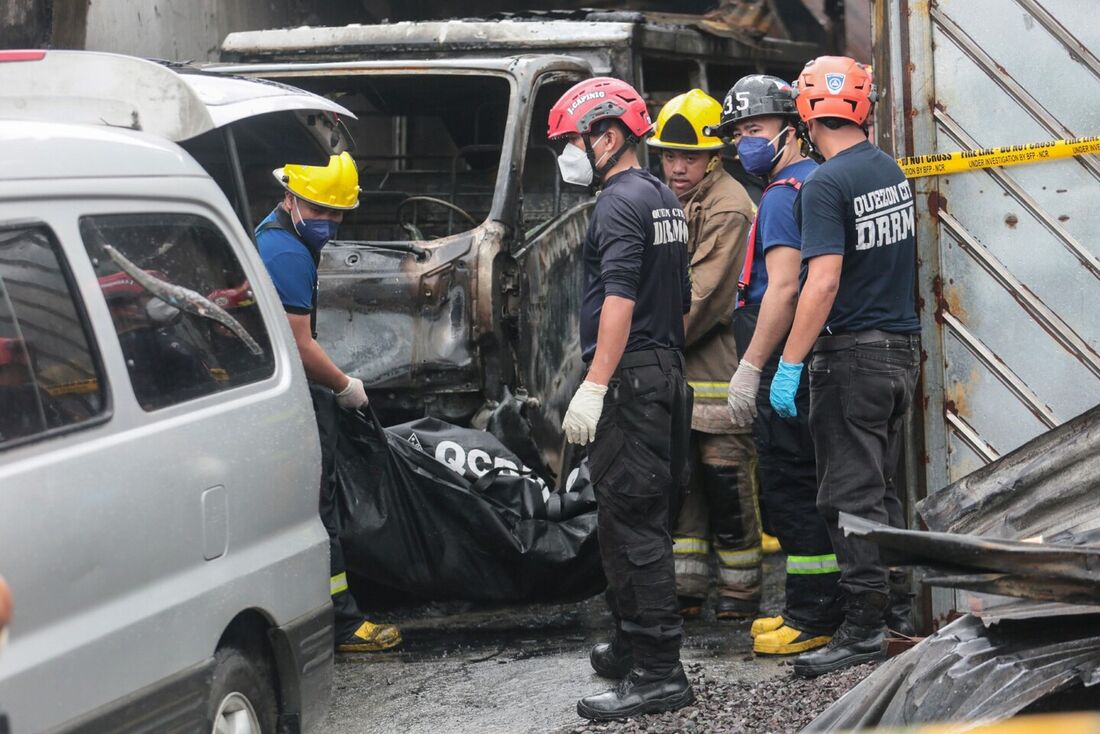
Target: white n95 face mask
{"points": [[574, 166]]}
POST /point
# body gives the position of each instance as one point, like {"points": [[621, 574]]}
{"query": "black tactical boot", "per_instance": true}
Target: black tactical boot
{"points": [[612, 659], [860, 639], [898, 616], [641, 692], [730, 608]]}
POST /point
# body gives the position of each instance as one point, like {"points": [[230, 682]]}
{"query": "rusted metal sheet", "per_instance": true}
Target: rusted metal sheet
{"points": [[1009, 265], [1064, 572], [971, 675]]}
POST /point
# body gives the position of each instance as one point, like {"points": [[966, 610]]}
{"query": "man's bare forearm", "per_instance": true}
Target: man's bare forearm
{"points": [[320, 368], [615, 320], [777, 311], [814, 305]]}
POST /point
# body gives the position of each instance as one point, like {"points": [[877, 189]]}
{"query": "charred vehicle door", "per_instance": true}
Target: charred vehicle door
{"points": [[548, 294]]}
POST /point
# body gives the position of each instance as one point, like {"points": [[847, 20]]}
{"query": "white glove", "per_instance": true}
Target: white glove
{"points": [[160, 312], [742, 395], [353, 396], [584, 413]]}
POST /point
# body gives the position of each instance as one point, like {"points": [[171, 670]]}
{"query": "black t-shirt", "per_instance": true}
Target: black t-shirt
{"points": [[636, 248], [858, 204]]}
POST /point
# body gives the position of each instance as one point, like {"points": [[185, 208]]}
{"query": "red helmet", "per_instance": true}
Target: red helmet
{"points": [[835, 86], [238, 297], [597, 99], [12, 351]]}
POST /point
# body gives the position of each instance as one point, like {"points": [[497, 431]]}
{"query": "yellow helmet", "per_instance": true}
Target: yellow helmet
{"points": [[680, 123], [335, 186]]}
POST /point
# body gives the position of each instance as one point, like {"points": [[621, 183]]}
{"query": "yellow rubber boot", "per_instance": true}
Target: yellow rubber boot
{"points": [[787, 641], [765, 624], [370, 637], [769, 544]]}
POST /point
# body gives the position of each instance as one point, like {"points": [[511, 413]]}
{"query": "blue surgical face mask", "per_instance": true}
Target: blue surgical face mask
{"points": [[758, 154], [314, 232]]}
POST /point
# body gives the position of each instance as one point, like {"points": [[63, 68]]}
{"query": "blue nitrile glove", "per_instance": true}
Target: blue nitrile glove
{"points": [[784, 386]]}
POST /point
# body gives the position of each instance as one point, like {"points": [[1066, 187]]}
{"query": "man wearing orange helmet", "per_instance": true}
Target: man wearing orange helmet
{"points": [[634, 406], [290, 240], [857, 314]]}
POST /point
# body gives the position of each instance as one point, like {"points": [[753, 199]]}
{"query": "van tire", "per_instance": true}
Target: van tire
{"points": [[241, 687]]}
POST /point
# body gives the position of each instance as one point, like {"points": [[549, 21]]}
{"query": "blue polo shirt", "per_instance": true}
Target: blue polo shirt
{"points": [[775, 225], [289, 261]]}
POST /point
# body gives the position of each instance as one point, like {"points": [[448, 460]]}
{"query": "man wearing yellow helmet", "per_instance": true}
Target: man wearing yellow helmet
{"points": [[290, 240], [719, 506]]}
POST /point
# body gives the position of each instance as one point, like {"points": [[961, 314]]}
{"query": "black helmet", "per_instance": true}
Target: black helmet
{"points": [[753, 96]]}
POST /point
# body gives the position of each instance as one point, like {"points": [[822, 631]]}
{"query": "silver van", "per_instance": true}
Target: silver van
{"points": [[159, 464]]}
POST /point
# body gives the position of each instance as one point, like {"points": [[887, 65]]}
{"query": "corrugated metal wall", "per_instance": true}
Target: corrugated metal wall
{"points": [[1009, 257]]}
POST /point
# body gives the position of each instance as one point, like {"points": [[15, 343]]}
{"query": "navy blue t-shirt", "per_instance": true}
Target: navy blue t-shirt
{"points": [[636, 248], [289, 261], [858, 204], [776, 225]]}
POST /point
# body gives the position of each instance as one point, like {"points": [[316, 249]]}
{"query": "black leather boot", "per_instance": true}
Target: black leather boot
{"points": [[899, 616], [899, 613], [729, 608], [860, 639], [612, 659], [641, 692]]}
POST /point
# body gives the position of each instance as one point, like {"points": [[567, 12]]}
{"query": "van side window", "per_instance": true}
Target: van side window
{"points": [[183, 309], [49, 375]]}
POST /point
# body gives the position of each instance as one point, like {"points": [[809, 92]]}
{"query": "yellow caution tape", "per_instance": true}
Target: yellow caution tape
{"points": [[935, 164]]}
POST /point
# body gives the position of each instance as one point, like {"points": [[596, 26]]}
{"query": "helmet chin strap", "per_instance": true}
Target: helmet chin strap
{"points": [[808, 148], [598, 172]]}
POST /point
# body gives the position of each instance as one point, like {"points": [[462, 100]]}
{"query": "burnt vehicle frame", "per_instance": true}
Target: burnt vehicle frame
{"points": [[444, 326]]}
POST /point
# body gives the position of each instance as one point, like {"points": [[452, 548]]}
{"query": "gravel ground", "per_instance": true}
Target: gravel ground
{"points": [[781, 704]]}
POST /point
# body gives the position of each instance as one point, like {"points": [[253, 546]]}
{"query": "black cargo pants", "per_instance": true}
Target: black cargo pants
{"points": [[788, 497], [638, 462], [861, 386], [348, 614]]}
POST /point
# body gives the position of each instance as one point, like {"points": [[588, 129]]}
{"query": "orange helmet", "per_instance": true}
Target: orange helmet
{"points": [[835, 86]]}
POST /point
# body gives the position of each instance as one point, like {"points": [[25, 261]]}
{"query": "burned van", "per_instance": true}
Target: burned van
{"points": [[458, 275]]}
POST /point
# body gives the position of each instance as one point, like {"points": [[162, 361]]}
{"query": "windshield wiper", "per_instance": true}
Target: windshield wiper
{"points": [[419, 252], [184, 299]]}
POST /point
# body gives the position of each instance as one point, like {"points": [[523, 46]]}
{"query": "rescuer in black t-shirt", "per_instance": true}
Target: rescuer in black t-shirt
{"points": [[634, 406], [857, 312]]}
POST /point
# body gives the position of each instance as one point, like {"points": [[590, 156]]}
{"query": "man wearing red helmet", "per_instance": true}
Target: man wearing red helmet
{"points": [[857, 313], [634, 406]]}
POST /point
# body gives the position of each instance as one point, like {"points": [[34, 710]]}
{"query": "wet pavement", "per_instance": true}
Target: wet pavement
{"points": [[522, 668]]}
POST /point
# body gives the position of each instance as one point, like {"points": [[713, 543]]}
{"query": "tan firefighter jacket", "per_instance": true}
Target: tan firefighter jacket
{"points": [[719, 214]]}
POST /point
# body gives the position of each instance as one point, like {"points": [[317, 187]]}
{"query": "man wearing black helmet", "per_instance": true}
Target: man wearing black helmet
{"points": [[759, 116]]}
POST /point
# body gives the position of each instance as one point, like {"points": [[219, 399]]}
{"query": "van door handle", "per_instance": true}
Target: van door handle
{"points": [[215, 522]]}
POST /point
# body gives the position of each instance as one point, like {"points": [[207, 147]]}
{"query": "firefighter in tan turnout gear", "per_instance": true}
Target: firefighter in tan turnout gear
{"points": [[719, 510]]}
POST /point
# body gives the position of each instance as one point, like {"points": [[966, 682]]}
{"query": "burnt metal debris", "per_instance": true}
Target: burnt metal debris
{"points": [[1025, 533], [971, 673]]}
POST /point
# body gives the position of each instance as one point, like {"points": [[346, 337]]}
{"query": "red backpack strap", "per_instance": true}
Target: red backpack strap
{"points": [[746, 270]]}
